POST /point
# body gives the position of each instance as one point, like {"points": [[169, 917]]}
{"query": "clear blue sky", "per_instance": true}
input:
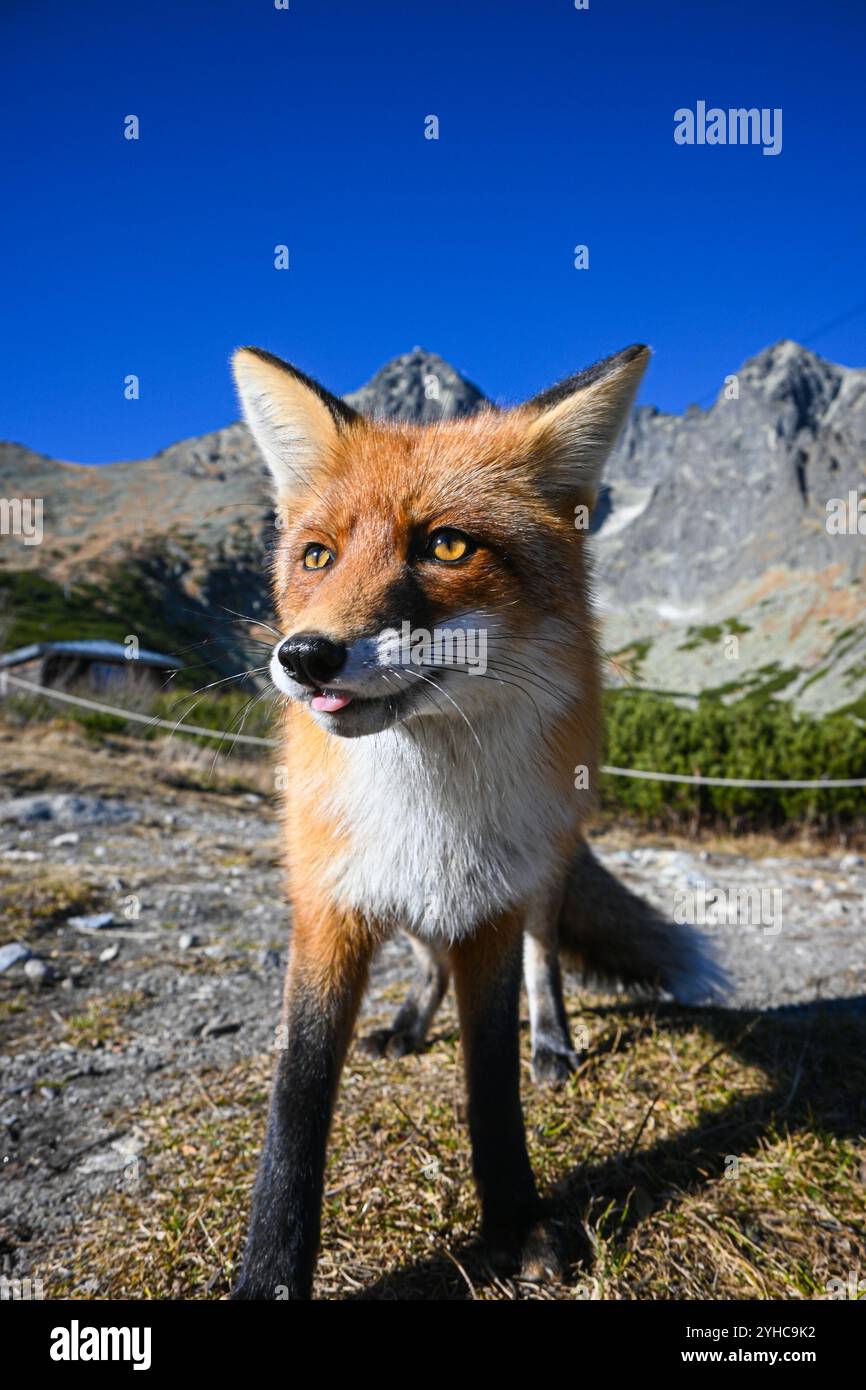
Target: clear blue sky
{"points": [[306, 127]]}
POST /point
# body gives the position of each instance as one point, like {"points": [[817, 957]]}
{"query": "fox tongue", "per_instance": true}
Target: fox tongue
{"points": [[329, 704]]}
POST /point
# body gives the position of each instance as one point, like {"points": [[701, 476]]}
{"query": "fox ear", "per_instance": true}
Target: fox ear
{"points": [[293, 419], [576, 422]]}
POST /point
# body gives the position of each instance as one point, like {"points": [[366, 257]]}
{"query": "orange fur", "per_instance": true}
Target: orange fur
{"points": [[412, 815]]}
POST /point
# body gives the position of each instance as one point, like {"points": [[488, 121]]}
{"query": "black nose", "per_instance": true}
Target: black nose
{"points": [[312, 659]]}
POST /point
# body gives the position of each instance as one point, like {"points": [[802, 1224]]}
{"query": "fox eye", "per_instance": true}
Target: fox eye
{"points": [[317, 557], [448, 546]]}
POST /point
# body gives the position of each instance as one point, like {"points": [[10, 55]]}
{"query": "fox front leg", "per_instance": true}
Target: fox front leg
{"points": [[411, 1023], [487, 979], [327, 971]]}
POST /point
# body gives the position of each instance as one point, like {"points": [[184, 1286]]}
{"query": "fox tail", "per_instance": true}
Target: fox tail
{"points": [[611, 935]]}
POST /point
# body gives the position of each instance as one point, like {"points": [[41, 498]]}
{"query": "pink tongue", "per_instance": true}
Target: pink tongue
{"points": [[329, 704]]}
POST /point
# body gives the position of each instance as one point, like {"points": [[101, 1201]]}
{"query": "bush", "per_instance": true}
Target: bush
{"points": [[745, 738]]}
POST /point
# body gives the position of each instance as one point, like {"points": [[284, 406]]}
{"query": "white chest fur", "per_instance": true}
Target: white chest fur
{"points": [[443, 831]]}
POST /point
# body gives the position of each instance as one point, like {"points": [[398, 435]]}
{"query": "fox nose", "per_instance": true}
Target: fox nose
{"points": [[312, 659]]}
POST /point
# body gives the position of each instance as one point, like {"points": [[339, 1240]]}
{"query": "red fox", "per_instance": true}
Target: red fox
{"points": [[442, 684]]}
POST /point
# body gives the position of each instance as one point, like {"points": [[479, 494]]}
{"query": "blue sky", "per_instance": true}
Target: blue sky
{"points": [[306, 127]]}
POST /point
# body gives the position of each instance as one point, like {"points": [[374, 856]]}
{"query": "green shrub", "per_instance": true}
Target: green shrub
{"points": [[745, 738]]}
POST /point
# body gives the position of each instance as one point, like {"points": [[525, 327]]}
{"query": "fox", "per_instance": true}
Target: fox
{"points": [[437, 795]]}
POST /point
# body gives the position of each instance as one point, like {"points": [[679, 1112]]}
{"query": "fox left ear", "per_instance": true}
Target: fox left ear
{"points": [[575, 424], [293, 419]]}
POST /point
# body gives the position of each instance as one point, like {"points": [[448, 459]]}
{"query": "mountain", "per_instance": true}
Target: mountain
{"points": [[715, 567], [713, 525], [418, 386]]}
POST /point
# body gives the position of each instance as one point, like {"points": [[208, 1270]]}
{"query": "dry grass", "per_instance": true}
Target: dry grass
{"points": [[60, 756], [33, 900], [104, 1020], [714, 1157]]}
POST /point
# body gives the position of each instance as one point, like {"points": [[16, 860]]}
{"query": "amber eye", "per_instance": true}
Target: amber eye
{"points": [[449, 546], [316, 557]]}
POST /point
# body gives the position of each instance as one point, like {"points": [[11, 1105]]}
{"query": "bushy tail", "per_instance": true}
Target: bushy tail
{"points": [[611, 935]]}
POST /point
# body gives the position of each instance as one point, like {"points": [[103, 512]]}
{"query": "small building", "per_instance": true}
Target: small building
{"points": [[93, 662]]}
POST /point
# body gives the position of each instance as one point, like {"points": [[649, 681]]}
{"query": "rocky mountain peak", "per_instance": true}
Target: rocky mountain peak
{"points": [[795, 378], [418, 386]]}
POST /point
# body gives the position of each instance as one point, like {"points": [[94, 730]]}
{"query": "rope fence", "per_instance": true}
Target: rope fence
{"points": [[691, 779], [177, 728]]}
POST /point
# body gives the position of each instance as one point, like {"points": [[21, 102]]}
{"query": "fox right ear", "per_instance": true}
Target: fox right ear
{"points": [[293, 419], [575, 425]]}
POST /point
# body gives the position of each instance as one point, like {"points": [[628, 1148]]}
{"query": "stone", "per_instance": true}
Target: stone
{"points": [[93, 921], [65, 808], [12, 954], [38, 972]]}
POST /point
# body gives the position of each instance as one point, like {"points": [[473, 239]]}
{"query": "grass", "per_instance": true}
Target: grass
{"points": [[104, 1020], [57, 755], [126, 598], [32, 906], [715, 1156]]}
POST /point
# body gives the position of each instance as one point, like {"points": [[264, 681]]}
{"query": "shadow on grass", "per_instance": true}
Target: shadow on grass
{"points": [[814, 1060]]}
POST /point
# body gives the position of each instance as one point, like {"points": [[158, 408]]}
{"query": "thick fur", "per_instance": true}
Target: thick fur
{"points": [[602, 930], [441, 800], [615, 937]]}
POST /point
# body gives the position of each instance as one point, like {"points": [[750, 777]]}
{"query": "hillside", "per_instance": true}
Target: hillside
{"points": [[711, 526]]}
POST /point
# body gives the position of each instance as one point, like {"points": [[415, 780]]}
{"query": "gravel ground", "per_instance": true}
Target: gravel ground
{"points": [[187, 974]]}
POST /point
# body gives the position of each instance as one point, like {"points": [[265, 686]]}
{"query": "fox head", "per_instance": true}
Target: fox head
{"points": [[432, 571]]}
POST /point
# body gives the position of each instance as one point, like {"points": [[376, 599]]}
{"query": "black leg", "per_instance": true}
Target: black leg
{"points": [[325, 979], [487, 978]]}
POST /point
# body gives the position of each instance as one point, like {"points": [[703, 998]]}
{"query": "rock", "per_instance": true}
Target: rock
{"points": [[94, 921], [38, 972], [851, 861], [12, 954], [69, 837], [110, 953], [66, 809], [269, 959], [187, 940], [418, 386]]}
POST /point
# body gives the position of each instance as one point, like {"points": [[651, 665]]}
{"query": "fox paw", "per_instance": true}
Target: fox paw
{"points": [[541, 1259], [551, 1067], [533, 1253], [390, 1042]]}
